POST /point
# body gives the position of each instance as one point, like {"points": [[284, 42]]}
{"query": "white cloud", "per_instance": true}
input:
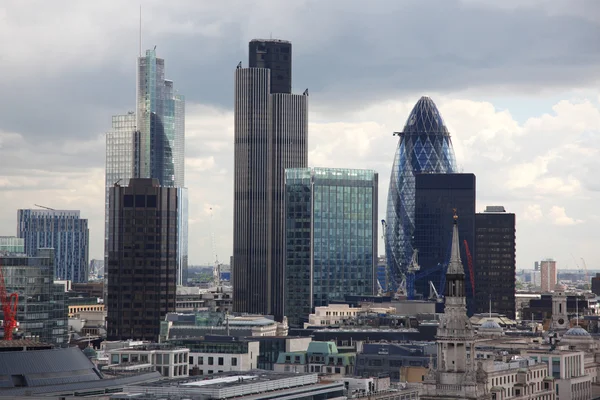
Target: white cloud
{"points": [[559, 217], [533, 212]]}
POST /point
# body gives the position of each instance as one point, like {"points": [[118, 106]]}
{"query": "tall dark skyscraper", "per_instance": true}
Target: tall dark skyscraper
{"points": [[331, 237], [142, 258], [271, 127], [436, 197], [495, 254], [424, 146]]}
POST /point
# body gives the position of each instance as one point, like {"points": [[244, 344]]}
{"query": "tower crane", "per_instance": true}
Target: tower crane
{"points": [[470, 265], [217, 266], [587, 277], [9, 307]]}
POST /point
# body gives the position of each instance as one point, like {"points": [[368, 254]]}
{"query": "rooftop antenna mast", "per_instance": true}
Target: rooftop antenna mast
{"points": [[140, 41]]}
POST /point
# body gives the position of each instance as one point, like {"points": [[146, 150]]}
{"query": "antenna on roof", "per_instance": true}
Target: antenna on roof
{"points": [[140, 30]]}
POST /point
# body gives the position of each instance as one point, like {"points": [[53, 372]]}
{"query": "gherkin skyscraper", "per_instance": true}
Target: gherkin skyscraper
{"points": [[424, 146]]}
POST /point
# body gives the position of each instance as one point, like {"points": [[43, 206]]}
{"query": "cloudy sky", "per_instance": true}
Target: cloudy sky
{"points": [[517, 82]]}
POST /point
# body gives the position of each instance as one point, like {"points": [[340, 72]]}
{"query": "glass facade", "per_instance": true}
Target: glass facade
{"points": [[331, 237], [12, 244], [61, 230], [436, 197], [122, 153], [42, 310], [424, 146], [161, 121]]}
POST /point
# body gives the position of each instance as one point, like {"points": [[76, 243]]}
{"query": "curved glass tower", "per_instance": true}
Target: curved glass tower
{"points": [[424, 146]]}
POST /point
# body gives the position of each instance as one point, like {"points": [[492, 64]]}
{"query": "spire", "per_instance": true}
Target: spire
{"points": [[455, 267]]}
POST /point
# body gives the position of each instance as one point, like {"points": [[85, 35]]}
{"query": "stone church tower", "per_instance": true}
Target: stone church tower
{"points": [[458, 375]]}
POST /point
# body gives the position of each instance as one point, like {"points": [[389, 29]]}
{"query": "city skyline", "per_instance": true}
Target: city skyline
{"points": [[525, 123]]}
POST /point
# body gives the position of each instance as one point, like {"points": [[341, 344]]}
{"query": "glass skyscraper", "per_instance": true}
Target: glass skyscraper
{"points": [[331, 237], [424, 146], [42, 309], [437, 196], [61, 230], [150, 143], [12, 244], [161, 122]]}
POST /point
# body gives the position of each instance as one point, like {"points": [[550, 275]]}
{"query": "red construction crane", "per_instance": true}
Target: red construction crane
{"points": [[470, 264], [9, 307]]}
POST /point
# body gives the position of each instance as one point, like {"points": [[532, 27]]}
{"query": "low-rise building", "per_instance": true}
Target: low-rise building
{"points": [[218, 354], [169, 360], [376, 359], [320, 357], [337, 314]]}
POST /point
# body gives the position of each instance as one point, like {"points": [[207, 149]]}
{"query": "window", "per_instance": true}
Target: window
{"points": [[220, 360], [234, 361], [191, 359], [211, 361], [200, 360]]}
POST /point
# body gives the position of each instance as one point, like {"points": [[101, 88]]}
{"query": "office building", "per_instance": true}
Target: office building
{"points": [[548, 273], [122, 157], [331, 237], [150, 143], [596, 284], [161, 122], [437, 198], [270, 135], [495, 252], [42, 307], [424, 146], [142, 259], [12, 244], [62, 230]]}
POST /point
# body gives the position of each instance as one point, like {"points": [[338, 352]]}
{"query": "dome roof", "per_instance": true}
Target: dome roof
{"points": [[90, 352], [490, 324], [577, 331]]}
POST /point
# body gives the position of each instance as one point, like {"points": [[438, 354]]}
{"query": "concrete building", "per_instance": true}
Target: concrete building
{"points": [[216, 299], [548, 275], [496, 263], [62, 230], [168, 360], [271, 128], [142, 259], [217, 354], [240, 385], [596, 284], [336, 314], [42, 306], [331, 236], [201, 323]]}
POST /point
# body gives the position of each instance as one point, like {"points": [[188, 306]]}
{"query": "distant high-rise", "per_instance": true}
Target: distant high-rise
{"points": [[142, 258], [150, 143], [270, 135], [331, 237], [62, 230], [424, 146], [42, 308], [437, 196], [161, 122], [548, 272], [495, 254]]}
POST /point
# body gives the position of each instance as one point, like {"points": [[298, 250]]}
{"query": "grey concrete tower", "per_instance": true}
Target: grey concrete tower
{"points": [[456, 375], [271, 127]]}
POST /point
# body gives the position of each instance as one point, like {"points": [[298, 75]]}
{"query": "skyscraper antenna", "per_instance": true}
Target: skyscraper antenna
{"points": [[140, 30]]}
